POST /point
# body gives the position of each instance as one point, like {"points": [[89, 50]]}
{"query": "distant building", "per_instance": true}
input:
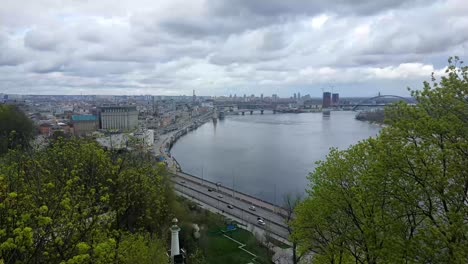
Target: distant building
{"points": [[84, 124], [299, 96], [145, 138], [45, 129], [335, 99], [312, 104], [122, 118], [326, 100]]}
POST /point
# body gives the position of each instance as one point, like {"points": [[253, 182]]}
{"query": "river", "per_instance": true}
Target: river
{"points": [[267, 155]]}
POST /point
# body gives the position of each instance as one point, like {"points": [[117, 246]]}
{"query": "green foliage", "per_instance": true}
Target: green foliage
{"points": [[399, 198], [376, 116], [197, 257], [142, 249], [16, 129], [73, 203]]}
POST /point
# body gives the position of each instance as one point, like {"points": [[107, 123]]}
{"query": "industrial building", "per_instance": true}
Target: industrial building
{"points": [[123, 118]]}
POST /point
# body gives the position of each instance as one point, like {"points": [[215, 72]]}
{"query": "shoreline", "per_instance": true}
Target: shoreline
{"points": [[163, 146]]}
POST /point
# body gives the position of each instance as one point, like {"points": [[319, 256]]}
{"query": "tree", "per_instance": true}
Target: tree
{"points": [[72, 202], [16, 129], [289, 204], [402, 196], [197, 257]]}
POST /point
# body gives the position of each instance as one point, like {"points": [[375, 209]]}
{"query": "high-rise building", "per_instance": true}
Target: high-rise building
{"points": [[335, 99], [274, 97], [261, 97], [299, 96], [295, 96], [326, 100], [118, 117]]}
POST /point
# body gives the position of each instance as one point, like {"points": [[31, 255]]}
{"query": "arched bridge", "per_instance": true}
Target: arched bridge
{"points": [[380, 101]]}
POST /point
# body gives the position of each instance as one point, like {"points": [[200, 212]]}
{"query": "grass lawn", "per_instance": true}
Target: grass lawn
{"points": [[216, 248], [219, 249]]}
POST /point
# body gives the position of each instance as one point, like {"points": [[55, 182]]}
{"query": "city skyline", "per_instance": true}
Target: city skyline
{"points": [[221, 48]]}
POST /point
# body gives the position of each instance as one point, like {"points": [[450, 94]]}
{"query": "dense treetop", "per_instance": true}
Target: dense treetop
{"points": [[73, 202], [16, 129]]}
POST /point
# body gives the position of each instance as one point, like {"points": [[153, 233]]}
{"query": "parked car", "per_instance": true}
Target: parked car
{"points": [[230, 206], [252, 208], [220, 195], [210, 190]]}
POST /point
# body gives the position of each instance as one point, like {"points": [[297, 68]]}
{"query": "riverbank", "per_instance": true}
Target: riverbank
{"points": [[163, 145]]}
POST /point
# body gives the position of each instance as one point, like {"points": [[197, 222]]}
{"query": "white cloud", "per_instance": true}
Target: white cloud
{"points": [[318, 21]]}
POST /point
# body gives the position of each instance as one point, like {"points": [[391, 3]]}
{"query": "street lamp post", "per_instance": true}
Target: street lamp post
{"points": [[274, 206], [202, 175]]}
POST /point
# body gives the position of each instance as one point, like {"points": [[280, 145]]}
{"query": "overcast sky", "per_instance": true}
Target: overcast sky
{"points": [[222, 47]]}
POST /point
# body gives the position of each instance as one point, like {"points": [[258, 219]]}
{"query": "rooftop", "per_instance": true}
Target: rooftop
{"points": [[84, 118]]}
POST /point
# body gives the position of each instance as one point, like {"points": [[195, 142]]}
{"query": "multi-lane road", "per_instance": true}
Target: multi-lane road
{"points": [[237, 206]]}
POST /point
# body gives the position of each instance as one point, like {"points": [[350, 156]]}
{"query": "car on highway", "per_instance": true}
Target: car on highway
{"points": [[210, 190], [230, 206], [220, 195], [260, 221], [182, 181], [252, 208]]}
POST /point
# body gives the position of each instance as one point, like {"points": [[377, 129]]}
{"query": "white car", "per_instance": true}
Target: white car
{"points": [[260, 221], [220, 195], [252, 208]]}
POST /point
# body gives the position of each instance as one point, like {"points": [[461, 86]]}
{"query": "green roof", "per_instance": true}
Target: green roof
{"points": [[84, 118]]}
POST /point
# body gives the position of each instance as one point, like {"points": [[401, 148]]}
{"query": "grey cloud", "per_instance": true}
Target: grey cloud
{"points": [[253, 46], [11, 53], [10, 59], [41, 40], [305, 7], [419, 31], [217, 45], [91, 36], [214, 26], [224, 17], [47, 66]]}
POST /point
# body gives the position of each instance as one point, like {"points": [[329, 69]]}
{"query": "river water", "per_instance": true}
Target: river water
{"points": [[267, 155]]}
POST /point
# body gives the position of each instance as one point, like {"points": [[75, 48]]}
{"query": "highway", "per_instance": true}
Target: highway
{"points": [[274, 223]]}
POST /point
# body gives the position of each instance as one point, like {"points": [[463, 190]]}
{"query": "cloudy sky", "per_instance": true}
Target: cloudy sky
{"points": [[222, 47]]}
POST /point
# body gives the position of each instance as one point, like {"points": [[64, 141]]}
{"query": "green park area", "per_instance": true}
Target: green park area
{"points": [[220, 249], [221, 240]]}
